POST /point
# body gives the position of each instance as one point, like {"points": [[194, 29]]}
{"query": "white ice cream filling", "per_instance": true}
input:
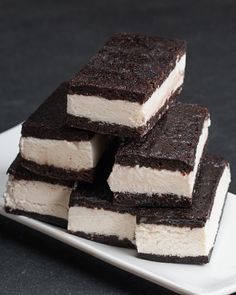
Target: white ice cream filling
{"points": [[145, 180], [101, 222], [183, 241], [63, 154], [37, 197], [124, 112]]}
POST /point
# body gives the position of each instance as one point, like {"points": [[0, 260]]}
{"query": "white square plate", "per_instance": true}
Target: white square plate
{"points": [[217, 277]]}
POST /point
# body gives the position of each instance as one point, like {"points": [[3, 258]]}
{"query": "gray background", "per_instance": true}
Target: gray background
{"points": [[43, 43]]}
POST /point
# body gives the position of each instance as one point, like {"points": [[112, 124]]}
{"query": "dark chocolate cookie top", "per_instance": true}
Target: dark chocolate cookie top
{"points": [[21, 173], [171, 144], [211, 170], [96, 196], [49, 120], [128, 67], [91, 195]]}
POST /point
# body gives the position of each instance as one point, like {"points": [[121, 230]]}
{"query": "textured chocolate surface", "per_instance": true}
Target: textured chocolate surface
{"points": [[45, 218], [91, 195], [49, 120], [109, 240], [121, 130], [176, 259], [97, 196], [171, 144], [211, 170], [154, 200], [128, 67], [86, 175], [20, 172]]}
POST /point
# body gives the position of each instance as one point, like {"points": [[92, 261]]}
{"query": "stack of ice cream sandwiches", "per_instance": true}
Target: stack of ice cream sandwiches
{"points": [[112, 156]]}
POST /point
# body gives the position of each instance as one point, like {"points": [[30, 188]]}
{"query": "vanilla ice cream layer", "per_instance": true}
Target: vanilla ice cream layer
{"points": [[184, 241], [38, 197], [145, 180], [71, 155], [101, 222], [124, 112]]}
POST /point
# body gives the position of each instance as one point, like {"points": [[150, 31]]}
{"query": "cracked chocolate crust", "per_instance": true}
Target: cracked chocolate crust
{"points": [[171, 144], [49, 120], [19, 172], [86, 175], [211, 170], [154, 200], [109, 240], [121, 130], [129, 67], [45, 218]]}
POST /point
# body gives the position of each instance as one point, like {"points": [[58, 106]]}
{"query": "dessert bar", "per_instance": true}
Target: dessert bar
{"points": [[127, 86], [49, 147], [160, 168], [39, 197], [187, 235], [93, 216]]}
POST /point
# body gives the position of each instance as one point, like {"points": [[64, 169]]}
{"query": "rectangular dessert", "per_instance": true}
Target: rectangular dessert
{"points": [[93, 216], [127, 86], [187, 235], [39, 197], [49, 147], [160, 169]]}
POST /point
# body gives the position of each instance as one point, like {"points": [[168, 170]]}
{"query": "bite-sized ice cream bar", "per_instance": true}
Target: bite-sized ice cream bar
{"points": [[49, 147], [92, 216], [187, 235], [160, 169], [39, 197], [127, 86]]}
